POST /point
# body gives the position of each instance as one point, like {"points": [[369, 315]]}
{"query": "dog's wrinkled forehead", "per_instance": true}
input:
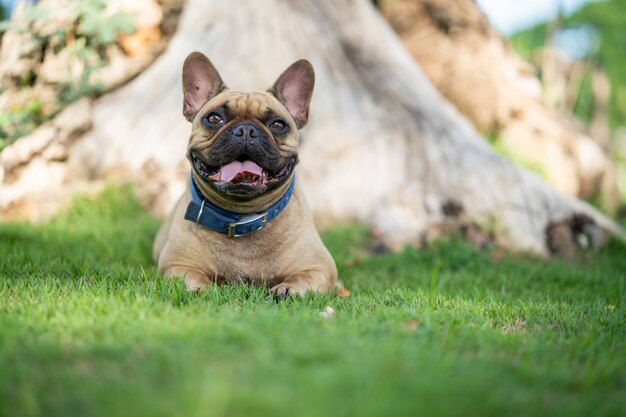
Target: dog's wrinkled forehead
{"points": [[252, 105]]}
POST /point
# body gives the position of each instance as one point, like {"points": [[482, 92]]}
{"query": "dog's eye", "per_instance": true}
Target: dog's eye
{"points": [[278, 125], [214, 119]]}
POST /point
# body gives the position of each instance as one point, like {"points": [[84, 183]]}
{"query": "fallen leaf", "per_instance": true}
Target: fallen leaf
{"points": [[342, 292]]}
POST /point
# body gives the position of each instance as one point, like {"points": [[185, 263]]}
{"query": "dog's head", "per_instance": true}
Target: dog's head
{"points": [[244, 145]]}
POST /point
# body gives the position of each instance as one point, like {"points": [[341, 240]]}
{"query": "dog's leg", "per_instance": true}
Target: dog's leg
{"points": [[195, 279], [302, 282]]}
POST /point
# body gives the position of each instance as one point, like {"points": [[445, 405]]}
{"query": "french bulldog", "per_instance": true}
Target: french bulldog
{"points": [[243, 217]]}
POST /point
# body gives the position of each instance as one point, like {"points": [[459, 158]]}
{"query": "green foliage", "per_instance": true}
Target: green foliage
{"points": [[528, 42], [608, 19], [84, 35], [20, 121], [87, 22], [4, 24], [604, 20], [100, 29], [584, 104], [89, 328]]}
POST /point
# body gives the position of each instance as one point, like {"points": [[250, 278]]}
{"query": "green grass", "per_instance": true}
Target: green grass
{"points": [[88, 328]]}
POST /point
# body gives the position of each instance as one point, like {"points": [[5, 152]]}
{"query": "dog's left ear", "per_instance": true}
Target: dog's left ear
{"points": [[201, 82], [294, 89]]}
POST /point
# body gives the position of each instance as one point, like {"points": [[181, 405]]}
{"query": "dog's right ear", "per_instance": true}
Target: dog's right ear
{"points": [[201, 82]]}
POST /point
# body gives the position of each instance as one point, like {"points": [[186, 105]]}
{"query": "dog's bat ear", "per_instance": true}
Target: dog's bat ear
{"points": [[201, 82], [294, 89]]}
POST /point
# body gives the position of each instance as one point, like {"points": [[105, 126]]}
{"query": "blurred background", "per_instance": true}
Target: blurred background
{"points": [[578, 51], [568, 57]]}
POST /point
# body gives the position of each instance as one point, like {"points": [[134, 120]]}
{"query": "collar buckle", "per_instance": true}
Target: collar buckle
{"points": [[247, 225]]}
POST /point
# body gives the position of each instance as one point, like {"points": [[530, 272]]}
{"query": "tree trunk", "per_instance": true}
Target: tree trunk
{"points": [[474, 67], [382, 145]]}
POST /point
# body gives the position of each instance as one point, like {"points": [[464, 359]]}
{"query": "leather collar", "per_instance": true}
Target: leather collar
{"points": [[203, 212]]}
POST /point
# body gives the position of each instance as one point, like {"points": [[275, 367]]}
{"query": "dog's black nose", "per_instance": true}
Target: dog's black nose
{"points": [[246, 130]]}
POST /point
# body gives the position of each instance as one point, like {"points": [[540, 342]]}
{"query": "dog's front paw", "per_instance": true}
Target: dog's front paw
{"points": [[286, 289], [195, 284], [194, 280], [302, 282]]}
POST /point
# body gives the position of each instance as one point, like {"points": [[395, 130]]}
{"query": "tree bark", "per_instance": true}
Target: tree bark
{"points": [[474, 67], [382, 145]]}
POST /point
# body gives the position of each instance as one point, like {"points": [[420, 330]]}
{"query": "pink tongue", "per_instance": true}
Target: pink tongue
{"points": [[235, 168]]}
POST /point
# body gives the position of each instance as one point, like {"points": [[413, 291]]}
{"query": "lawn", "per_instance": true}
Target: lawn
{"points": [[88, 328]]}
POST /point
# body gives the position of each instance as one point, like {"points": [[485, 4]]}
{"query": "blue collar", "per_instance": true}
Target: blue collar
{"points": [[203, 212]]}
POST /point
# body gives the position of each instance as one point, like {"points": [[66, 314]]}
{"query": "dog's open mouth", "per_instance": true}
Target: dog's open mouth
{"points": [[241, 171]]}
